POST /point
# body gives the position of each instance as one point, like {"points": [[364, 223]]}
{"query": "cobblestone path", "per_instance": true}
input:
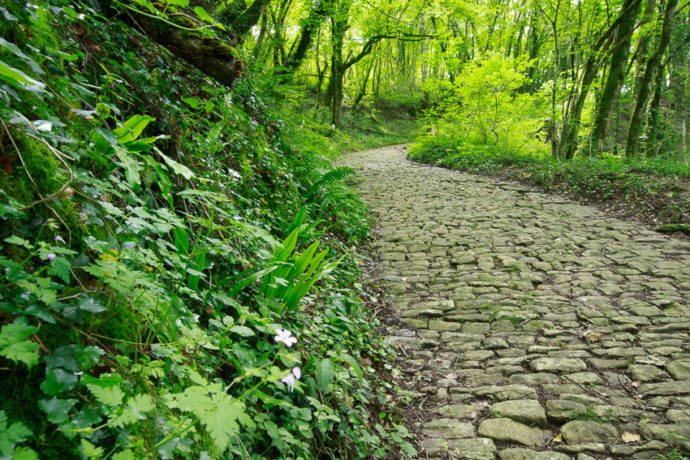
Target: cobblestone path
{"points": [[539, 328]]}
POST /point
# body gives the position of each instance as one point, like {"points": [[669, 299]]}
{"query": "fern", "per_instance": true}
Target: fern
{"points": [[331, 177]]}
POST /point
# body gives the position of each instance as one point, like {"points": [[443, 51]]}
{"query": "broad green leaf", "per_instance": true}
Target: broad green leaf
{"points": [[192, 102], [178, 168], [243, 331], [19, 242], [19, 78], [203, 15], [132, 128], [325, 374], [57, 409], [15, 347], [180, 3], [104, 380], [181, 241], [132, 166], [354, 364], [57, 381]]}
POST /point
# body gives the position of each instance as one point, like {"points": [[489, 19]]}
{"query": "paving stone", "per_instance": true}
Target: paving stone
{"points": [[473, 449], [665, 388], [558, 365], [517, 453], [680, 370], [448, 428], [505, 392], [645, 372], [534, 379], [581, 431], [468, 411], [522, 410], [560, 410], [504, 429]]}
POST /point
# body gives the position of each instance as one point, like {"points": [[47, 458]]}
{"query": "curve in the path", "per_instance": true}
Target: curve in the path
{"points": [[540, 328]]}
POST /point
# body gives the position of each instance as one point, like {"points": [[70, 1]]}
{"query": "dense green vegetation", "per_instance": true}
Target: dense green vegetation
{"points": [[180, 275]]}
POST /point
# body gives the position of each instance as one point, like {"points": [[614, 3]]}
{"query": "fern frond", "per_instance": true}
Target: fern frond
{"points": [[331, 177]]}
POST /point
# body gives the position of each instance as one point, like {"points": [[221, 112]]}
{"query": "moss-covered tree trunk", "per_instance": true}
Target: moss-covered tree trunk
{"points": [[209, 54], [645, 83], [619, 60]]}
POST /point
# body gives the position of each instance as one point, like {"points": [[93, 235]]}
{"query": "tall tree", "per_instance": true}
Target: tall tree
{"points": [[619, 59], [642, 92]]}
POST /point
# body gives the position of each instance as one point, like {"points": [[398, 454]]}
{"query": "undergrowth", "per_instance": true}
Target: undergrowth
{"points": [[179, 276]]}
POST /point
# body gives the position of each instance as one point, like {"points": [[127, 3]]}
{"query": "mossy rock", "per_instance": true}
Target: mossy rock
{"points": [[672, 228]]}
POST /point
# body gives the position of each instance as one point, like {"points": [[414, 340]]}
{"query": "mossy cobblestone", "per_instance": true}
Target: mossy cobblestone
{"points": [[535, 327]]}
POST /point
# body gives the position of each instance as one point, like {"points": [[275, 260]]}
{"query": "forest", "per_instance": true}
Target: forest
{"points": [[185, 270]]}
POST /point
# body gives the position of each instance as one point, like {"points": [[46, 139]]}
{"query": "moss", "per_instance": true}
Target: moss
{"points": [[120, 322], [671, 228], [41, 164]]}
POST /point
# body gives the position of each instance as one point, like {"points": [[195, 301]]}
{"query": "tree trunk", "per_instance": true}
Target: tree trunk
{"points": [[338, 29], [654, 135], [619, 60], [363, 89], [209, 54], [653, 63]]}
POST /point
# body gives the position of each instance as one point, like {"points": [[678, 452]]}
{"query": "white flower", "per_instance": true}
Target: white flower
{"points": [[285, 337], [290, 379]]}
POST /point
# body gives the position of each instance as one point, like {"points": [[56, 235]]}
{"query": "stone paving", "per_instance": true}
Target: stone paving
{"points": [[538, 328]]}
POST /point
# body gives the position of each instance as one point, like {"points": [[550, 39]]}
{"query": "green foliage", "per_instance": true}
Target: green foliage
{"points": [[158, 230], [483, 106]]}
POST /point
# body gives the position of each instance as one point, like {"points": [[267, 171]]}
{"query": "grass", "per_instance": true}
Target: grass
{"points": [[656, 190]]}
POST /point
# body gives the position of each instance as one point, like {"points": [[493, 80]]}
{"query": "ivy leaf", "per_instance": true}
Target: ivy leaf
{"points": [[15, 347], [91, 305], [64, 357], [89, 356], [58, 380], [57, 409], [11, 435]]}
